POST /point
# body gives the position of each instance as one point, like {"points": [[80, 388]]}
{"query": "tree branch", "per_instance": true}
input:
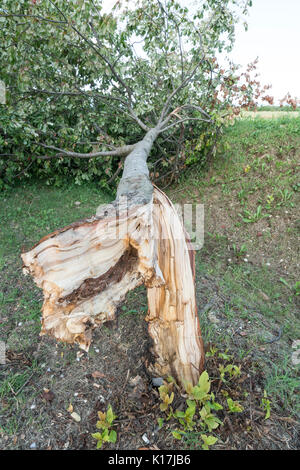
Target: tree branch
{"points": [[21, 15], [178, 36], [117, 152], [119, 79], [182, 85], [183, 120]]}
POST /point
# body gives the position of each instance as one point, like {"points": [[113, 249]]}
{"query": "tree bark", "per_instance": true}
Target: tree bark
{"points": [[87, 268]]}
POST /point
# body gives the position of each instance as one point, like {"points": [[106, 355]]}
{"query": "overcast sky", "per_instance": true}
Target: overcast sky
{"points": [[274, 37]]}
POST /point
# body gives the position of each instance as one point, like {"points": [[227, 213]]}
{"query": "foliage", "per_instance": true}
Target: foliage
{"points": [[234, 406], [266, 405], [165, 398], [239, 251], [104, 423], [201, 406], [81, 81], [231, 369]]}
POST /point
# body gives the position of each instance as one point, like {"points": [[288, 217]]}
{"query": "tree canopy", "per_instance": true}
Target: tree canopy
{"points": [[83, 86]]}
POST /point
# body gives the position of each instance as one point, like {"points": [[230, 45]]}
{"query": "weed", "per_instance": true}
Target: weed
{"points": [[282, 384], [199, 416], [251, 217], [105, 423], [285, 198], [266, 405], [234, 406], [239, 252]]}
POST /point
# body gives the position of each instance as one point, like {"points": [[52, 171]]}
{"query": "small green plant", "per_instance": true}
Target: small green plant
{"points": [[296, 187], [295, 288], [212, 351], [285, 198], [165, 397], [208, 441], [266, 405], [242, 196], [234, 406], [232, 371], [201, 405], [239, 251], [251, 217], [224, 355], [105, 423], [269, 202], [185, 418], [198, 413], [208, 419]]}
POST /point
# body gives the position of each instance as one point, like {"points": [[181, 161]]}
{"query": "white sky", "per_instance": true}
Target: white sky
{"points": [[274, 37]]}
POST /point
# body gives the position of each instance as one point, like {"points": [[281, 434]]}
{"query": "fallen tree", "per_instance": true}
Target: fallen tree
{"points": [[86, 269]]}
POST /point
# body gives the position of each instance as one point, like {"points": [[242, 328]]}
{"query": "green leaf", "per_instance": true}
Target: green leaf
{"points": [[191, 403], [110, 415], [97, 435], [99, 444], [112, 436], [105, 435], [160, 422], [163, 390], [204, 382], [101, 425], [179, 414], [171, 398], [234, 406], [216, 406], [163, 406], [208, 440], [177, 435]]}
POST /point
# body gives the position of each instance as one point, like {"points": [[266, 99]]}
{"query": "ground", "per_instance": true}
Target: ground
{"points": [[247, 301]]}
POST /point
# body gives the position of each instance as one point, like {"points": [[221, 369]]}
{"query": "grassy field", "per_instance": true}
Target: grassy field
{"points": [[269, 114], [248, 301]]}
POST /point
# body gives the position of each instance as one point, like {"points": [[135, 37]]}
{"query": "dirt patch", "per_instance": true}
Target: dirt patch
{"points": [[114, 373], [271, 240]]}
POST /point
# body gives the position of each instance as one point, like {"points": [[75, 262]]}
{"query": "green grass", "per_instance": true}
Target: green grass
{"points": [[27, 213], [251, 252], [282, 384], [242, 293], [275, 108], [250, 187], [30, 211]]}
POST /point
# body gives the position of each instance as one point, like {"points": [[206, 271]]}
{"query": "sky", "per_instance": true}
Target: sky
{"points": [[274, 37]]}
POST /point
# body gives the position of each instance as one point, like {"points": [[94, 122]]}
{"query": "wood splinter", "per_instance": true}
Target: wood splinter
{"points": [[87, 268]]}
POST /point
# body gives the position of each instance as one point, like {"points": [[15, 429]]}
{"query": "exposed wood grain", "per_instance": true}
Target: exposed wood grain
{"points": [[87, 268]]}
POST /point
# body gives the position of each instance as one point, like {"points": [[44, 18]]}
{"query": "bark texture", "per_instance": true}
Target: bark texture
{"points": [[87, 268]]}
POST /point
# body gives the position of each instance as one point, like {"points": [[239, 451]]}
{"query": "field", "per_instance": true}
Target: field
{"points": [[248, 301], [266, 114]]}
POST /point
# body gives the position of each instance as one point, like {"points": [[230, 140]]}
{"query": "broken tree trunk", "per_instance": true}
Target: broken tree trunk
{"points": [[87, 268]]}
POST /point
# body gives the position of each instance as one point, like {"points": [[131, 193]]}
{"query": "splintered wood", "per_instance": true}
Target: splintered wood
{"points": [[173, 320], [87, 268]]}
